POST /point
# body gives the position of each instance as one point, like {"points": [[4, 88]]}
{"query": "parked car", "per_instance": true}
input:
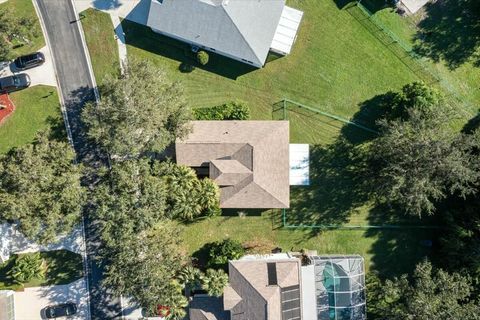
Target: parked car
{"points": [[61, 310], [29, 61], [14, 83]]}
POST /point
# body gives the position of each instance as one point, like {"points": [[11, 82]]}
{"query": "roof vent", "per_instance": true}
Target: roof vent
{"points": [[225, 2]]}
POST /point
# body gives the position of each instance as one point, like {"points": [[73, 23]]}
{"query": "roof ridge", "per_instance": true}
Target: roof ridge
{"points": [[255, 182], [241, 34], [249, 283]]}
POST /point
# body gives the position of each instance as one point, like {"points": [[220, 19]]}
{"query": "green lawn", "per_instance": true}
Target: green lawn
{"points": [[337, 66], [37, 108], [25, 9], [61, 267], [391, 252], [101, 44]]}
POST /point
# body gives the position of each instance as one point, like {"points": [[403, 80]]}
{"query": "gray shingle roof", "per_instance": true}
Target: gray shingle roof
{"points": [[241, 28], [248, 159]]}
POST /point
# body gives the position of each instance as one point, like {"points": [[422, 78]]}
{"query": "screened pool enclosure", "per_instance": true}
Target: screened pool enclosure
{"points": [[340, 287]]}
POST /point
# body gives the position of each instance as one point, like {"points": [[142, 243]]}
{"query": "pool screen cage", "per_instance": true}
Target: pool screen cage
{"points": [[340, 287]]}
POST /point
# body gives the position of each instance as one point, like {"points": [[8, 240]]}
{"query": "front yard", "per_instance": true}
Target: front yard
{"points": [[37, 108], [61, 267]]}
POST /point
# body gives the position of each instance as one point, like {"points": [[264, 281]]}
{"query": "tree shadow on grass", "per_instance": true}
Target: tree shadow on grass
{"points": [[450, 32], [472, 124], [338, 185], [144, 38]]}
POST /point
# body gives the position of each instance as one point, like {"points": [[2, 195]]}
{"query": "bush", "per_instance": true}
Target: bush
{"points": [[221, 252], [27, 267], [235, 110], [202, 57]]}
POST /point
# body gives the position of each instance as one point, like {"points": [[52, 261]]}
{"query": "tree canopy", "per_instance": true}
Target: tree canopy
{"points": [[128, 199], [14, 30], [142, 111], [145, 267], [40, 188], [431, 294], [418, 159]]}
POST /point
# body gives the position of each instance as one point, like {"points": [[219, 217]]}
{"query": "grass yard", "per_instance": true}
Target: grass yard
{"points": [[337, 66], [390, 252], [37, 108], [101, 44], [25, 9], [61, 267]]}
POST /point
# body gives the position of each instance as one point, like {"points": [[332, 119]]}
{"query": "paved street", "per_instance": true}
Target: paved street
{"points": [[76, 86]]}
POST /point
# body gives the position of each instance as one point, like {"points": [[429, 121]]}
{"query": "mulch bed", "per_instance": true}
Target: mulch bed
{"points": [[10, 107]]}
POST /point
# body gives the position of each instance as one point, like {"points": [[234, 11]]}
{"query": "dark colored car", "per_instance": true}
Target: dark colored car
{"points": [[61, 310], [29, 61], [14, 83]]}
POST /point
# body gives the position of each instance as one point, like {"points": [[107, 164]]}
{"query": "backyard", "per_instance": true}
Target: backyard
{"points": [[60, 266], [336, 66]]}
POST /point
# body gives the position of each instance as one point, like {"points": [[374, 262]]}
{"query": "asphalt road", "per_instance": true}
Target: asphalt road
{"points": [[76, 88]]}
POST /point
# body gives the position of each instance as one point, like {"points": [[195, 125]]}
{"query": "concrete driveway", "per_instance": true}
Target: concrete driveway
{"points": [[133, 10], [44, 74], [29, 304]]}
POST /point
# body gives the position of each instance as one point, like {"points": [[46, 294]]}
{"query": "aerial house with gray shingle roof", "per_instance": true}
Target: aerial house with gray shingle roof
{"points": [[244, 30], [249, 160]]}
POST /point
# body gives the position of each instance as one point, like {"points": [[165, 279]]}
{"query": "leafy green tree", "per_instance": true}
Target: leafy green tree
{"points": [[419, 161], [27, 267], [415, 96], [145, 266], [143, 111], [202, 57], [127, 200], [40, 189], [188, 196], [189, 277], [214, 282], [14, 31], [430, 294], [221, 252]]}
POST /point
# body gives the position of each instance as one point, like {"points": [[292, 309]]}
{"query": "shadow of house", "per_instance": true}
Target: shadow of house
{"points": [[338, 185], [144, 38], [450, 32]]}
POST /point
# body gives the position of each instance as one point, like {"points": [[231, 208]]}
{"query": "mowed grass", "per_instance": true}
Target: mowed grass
{"points": [[390, 252], [335, 66], [60, 266], [25, 9], [99, 35], [37, 108]]}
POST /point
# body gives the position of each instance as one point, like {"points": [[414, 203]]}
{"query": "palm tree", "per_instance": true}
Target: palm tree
{"points": [[214, 282], [27, 267]]}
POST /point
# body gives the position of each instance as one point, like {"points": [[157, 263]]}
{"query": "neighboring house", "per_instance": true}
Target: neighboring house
{"points": [[249, 160], [279, 287], [244, 30], [7, 305]]}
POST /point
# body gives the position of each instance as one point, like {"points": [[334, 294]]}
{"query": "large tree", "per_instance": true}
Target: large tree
{"points": [[40, 188], [429, 295], [418, 159], [14, 30], [127, 200], [145, 268], [142, 111]]}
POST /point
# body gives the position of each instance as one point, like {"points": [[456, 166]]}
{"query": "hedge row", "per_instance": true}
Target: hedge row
{"points": [[228, 111]]}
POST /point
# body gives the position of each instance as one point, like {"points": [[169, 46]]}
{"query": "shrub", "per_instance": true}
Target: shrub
{"points": [[27, 267], [202, 57], [221, 251], [235, 110]]}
